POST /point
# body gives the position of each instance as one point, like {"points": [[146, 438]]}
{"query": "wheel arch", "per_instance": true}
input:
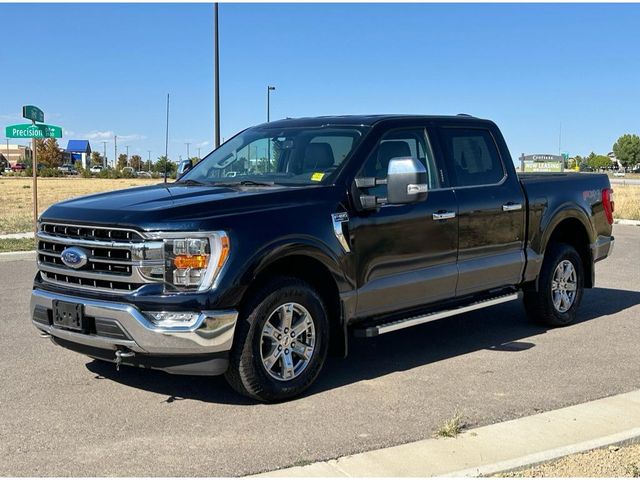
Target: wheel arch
{"points": [[573, 228], [316, 267]]}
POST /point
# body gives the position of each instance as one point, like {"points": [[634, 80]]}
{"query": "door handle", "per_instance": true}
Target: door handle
{"points": [[444, 215], [511, 207]]}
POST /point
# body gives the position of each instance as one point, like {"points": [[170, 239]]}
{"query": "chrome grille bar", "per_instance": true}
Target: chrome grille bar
{"points": [[118, 260]]}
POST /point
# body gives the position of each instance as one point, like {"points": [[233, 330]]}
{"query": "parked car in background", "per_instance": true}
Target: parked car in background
{"points": [[68, 169], [96, 169], [619, 173], [19, 167]]}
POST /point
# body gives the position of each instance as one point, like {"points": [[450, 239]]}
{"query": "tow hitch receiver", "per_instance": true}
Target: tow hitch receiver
{"points": [[120, 354]]}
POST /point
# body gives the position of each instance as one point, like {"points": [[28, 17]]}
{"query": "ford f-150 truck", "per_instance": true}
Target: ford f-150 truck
{"points": [[292, 235]]}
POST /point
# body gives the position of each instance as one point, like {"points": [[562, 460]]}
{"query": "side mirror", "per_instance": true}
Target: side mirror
{"points": [[184, 167], [406, 181]]}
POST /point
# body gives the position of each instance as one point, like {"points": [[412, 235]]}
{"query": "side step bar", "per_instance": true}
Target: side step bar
{"points": [[383, 328]]}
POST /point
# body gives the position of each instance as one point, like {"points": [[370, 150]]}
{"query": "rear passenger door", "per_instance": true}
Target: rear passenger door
{"points": [[491, 210]]}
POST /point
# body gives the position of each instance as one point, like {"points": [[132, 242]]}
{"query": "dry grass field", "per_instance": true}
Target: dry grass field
{"points": [[627, 201], [16, 197]]}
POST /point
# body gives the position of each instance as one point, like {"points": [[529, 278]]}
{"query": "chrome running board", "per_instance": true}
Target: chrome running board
{"points": [[383, 328]]}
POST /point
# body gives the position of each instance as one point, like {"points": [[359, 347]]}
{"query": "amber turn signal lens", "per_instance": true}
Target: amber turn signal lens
{"points": [[191, 261]]}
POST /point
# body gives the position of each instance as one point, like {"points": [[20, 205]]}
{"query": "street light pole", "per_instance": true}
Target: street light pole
{"points": [[104, 154], [115, 151], [127, 147], [149, 160], [187, 144], [269, 90], [216, 75]]}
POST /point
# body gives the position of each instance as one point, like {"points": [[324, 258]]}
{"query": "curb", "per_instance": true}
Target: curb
{"points": [[496, 448], [623, 221], [17, 236], [527, 461], [14, 256]]}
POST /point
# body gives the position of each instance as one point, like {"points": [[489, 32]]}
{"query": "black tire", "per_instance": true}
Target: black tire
{"points": [[539, 303], [246, 373]]}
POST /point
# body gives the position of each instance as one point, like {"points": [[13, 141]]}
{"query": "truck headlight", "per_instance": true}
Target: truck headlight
{"points": [[193, 262]]}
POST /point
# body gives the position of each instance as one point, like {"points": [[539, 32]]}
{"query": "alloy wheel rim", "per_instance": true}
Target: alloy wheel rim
{"points": [[288, 341], [564, 286]]}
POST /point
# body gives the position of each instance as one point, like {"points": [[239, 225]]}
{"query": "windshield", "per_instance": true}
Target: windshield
{"points": [[284, 156]]}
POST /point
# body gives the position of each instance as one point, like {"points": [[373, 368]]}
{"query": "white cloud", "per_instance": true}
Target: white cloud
{"points": [[99, 135], [202, 144], [131, 138], [9, 117]]}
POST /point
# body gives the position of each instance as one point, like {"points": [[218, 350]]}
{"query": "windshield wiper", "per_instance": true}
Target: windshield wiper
{"points": [[191, 182], [245, 182]]}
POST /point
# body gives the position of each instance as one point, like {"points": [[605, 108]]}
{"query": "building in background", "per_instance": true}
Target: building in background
{"points": [[80, 151], [15, 153]]}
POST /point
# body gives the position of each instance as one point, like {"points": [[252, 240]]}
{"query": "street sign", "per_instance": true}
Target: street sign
{"points": [[27, 130], [32, 113]]}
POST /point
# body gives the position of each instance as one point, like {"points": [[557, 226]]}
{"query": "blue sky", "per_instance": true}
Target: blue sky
{"points": [[100, 69]]}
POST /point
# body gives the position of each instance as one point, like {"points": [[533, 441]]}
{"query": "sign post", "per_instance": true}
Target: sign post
{"points": [[33, 131]]}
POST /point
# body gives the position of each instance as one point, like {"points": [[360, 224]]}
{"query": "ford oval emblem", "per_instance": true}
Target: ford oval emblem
{"points": [[74, 257]]}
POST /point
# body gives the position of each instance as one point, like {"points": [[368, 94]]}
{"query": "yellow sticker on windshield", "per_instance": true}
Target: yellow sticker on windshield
{"points": [[317, 177]]}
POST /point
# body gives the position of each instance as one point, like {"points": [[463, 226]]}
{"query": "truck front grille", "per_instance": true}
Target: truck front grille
{"points": [[118, 260]]}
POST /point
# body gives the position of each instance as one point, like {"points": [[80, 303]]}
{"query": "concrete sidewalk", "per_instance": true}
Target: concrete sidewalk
{"points": [[494, 448]]}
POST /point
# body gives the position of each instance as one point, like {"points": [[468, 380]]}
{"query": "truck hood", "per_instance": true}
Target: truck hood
{"points": [[179, 207]]}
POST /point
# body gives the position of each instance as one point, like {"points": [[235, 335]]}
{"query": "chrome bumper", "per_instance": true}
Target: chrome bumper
{"points": [[123, 326], [602, 248]]}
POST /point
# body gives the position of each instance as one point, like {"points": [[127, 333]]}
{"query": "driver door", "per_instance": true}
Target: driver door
{"points": [[406, 254]]}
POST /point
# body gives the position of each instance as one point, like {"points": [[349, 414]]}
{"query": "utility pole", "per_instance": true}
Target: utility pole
{"points": [[269, 90], [216, 63], [187, 144], [115, 150], [127, 147], [166, 143], [199, 154], [104, 154], [149, 160]]}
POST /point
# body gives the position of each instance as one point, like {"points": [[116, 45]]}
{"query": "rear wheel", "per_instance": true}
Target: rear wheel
{"points": [[560, 286], [280, 342]]}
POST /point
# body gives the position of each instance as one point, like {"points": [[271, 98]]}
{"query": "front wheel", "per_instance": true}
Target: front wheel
{"points": [[280, 342], [560, 286]]}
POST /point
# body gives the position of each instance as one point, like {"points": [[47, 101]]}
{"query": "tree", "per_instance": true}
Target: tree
{"points": [[136, 162], [160, 165], [598, 162], [627, 150], [96, 159], [48, 152], [122, 161]]}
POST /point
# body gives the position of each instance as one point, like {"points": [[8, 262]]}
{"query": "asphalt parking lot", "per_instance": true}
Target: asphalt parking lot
{"points": [[62, 414]]}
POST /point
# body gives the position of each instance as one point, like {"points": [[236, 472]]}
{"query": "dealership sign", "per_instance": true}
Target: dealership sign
{"points": [[542, 162], [28, 130]]}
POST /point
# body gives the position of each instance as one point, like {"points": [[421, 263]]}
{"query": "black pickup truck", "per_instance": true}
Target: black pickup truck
{"points": [[266, 255]]}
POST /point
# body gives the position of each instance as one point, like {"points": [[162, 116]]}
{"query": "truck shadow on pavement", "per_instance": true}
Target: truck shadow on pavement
{"points": [[497, 328]]}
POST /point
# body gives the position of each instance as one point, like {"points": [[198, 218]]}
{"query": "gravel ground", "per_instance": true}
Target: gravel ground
{"points": [[606, 462]]}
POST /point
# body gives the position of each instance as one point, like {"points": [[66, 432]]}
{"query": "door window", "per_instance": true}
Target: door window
{"points": [[474, 156], [412, 142]]}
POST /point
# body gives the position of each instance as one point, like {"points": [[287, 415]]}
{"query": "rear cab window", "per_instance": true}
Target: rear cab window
{"points": [[472, 156]]}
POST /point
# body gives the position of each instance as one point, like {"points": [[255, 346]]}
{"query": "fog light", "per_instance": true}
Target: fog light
{"points": [[173, 319]]}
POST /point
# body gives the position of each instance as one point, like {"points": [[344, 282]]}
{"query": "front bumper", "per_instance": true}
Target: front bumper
{"points": [[121, 327]]}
